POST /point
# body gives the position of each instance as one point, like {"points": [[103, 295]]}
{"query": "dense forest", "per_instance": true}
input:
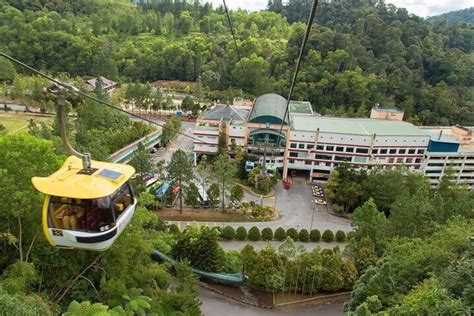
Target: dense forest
{"points": [[359, 53], [455, 17]]}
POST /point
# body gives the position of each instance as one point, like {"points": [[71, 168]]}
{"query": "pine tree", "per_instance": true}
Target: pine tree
{"points": [[180, 172]]}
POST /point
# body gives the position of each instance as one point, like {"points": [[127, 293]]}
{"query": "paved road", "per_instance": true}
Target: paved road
{"points": [[181, 141], [214, 304], [297, 210]]}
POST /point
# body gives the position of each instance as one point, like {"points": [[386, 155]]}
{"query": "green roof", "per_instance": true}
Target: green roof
{"points": [[356, 126], [269, 108], [300, 107]]}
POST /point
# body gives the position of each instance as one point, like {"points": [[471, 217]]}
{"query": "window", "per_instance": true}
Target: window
{"points": [[383, 151], [391, 160], [308, 162], [301, 146], [411, 151], [293, 145], [329, 148], [402, 151], [309, 146], [320, 147], [350, 149], [409, 160], [360, 159], [292, 161], [375, 151], [393, 151], [417, 160], [232, 140], [399, 160], [421, 151], [324, 157], [342, 158], [338, 148], [95, 215], [362, 150], [293, 154]]}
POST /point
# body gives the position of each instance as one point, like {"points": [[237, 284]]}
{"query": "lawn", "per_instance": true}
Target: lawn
{"points": [[18, 122]]}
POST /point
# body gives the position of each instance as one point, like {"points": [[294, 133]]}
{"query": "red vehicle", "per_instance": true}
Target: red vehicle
{"points": [[286, 184]]}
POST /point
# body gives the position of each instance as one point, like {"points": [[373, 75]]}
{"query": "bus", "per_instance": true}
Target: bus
{"points": [[161, 191], [203, 199]]}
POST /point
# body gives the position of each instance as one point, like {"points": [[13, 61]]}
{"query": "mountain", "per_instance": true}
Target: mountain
{"points": [[455, 17]]}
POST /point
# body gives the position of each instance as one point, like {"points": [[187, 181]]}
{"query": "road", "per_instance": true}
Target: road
{"points": [[214, 304], [181, 141]]}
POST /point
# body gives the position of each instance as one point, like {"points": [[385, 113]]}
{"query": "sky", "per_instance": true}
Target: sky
{"points": [[422, 8]]}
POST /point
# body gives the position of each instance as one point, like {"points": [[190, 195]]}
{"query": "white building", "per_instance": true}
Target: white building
{"points": [[302, 143]]}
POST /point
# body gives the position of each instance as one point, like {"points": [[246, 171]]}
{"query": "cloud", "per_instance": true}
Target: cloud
{"points": [[422, 8]]}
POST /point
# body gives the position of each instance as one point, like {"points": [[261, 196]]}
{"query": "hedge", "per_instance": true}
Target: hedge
{"points": [[254, 234], [228, 233], [292, 233], [267, 234], [340, 236], [328, 236], [303, 235], [280, 234], [241, 233], [315, 235]]}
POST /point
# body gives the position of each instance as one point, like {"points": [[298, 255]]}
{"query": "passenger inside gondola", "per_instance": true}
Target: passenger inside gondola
{"points": [[96, 215]]}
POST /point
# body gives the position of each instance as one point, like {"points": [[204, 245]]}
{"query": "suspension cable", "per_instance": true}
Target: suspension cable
{"points": [[298, 64], [77, 91], [233, 37]]}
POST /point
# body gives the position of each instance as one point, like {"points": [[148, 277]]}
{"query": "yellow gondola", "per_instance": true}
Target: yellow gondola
{"points": [[86, 208], [87, 203]]}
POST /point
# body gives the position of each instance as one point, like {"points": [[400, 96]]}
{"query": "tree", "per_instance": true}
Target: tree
{"points": [[222, 146], [142, 162], [224, 171], [7, 71], [187, 104], [180, 172], [192, 195], [236, 193], [213, 194]]}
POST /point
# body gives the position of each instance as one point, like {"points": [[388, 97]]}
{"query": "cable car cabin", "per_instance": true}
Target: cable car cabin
{"points": [[86, 208]]}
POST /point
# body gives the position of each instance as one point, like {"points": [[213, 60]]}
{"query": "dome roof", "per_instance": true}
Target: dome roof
{"points": [[269, 108]]}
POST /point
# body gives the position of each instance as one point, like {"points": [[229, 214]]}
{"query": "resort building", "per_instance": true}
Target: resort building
{"points": [[303, 143]]}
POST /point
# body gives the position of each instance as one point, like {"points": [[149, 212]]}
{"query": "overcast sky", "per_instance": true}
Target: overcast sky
{"points": [[422, 8]]}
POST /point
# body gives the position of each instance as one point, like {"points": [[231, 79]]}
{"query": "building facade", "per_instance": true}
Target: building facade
{"points": [[302, 143]]}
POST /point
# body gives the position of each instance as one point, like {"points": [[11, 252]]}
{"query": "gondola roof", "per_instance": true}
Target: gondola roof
{"points": [[72, 181]]}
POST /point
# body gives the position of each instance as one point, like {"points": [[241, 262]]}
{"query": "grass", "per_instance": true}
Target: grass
{"points": [[18, 122]]}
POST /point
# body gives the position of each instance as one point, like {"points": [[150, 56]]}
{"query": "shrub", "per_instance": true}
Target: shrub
{"points": [[292, 233], [254, 233], [228, 233], [303, 235], [350, 235], [173, 229], [267, 234], [218, 229], [328, 236], [280, 234], [315, 235], [340, 236], [241, 233]]}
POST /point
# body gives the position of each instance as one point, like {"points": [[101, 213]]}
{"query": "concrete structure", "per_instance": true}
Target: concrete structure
{"points": [[107, 84], [302, 143], [378, 112]]}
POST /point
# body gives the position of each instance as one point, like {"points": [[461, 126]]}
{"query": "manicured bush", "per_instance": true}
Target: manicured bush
{"points": [[217, 229], [303, 235], [315, 235], [228, 233], [254, 233], [340, 236], [292, 233], [173, 229], [350, 235], [280, 234], [241, 233], [328, 236], [267, 234]]}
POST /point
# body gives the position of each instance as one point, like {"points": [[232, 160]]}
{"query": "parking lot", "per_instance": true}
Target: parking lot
{"points": [[297, 210]]}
